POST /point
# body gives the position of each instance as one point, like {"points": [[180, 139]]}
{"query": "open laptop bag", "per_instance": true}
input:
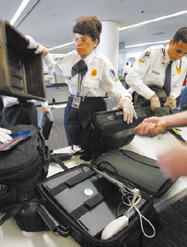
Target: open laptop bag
{"points": [[140, 170], [81, 203]]}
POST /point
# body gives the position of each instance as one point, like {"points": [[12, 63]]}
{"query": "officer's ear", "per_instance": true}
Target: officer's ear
{"points": [[171, 41], [96, 42]]}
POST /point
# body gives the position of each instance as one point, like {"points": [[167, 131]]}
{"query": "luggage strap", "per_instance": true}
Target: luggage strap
{"points": [[57, 158], [71, 182], [13, 211], [88, 205]]}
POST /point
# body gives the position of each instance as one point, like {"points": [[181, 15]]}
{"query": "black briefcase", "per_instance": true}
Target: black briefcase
{"points": [[84, 204], [107, 131]]}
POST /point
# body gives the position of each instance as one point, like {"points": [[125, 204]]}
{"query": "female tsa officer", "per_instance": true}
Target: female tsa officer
{"points": [[89, 75]]}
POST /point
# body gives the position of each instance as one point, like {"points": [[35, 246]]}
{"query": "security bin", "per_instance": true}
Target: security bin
{"points": [[21, 71]]}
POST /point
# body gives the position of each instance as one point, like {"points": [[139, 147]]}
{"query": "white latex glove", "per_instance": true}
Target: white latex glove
{"points": [[34, 45], [171, 102], [128, 109], [155, 102], [32, 42], [5, 135]]}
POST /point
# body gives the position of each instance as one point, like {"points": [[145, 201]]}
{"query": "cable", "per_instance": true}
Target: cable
{"points": [[136, 199], [133, 196]]}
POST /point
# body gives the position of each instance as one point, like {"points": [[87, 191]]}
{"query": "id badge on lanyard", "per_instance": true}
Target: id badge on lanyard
{"points": [[76, 102]]}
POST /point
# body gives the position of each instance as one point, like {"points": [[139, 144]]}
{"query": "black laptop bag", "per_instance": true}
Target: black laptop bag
{"points": [[107, 131], [140, 170], [22, 167], [81, 203]]}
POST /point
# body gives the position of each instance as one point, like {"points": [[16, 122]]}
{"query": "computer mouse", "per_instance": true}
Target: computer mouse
{"points": [[114, 227]]}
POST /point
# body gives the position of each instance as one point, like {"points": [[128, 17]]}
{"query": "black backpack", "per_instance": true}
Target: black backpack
{"points": [[22, 167]]}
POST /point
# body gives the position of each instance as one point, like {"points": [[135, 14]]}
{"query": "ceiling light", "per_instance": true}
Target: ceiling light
{"points": [[153, 20], [60, 46], [137, 25], [19, 11], [143, 44]]}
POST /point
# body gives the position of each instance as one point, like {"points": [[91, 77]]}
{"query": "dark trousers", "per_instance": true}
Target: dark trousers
{"points": [[23, 113], [183, 100], [75, 120]]}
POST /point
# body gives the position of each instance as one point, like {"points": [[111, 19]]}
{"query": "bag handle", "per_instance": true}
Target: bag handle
{"points": [[53, 224]]}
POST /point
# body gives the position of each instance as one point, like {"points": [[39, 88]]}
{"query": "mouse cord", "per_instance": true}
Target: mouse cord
{"points": [[133, 201]]}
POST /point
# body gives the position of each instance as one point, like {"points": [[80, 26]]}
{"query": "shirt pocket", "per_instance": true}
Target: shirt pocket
{"points": [[91, 83], [73, 80], [156, 77]]}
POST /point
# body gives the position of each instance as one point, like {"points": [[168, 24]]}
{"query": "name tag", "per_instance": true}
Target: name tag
{"points": [[155, 72]]}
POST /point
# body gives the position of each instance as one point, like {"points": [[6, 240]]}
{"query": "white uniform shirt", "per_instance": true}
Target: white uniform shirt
{"points": [[150, 69], [10, 101], [99, 79], [126, 68]]}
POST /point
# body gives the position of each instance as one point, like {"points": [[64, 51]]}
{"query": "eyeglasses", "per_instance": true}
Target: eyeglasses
{"points": [[82, 40]]}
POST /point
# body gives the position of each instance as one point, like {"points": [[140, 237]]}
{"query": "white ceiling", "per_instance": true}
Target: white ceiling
{"points": [[50, 22]]}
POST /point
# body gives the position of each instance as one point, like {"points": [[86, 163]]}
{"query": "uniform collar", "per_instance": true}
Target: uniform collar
{"points": [[89, 58], [167, 57]]}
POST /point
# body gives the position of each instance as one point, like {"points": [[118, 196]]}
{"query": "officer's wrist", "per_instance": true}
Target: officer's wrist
{"points": [[153, 97], [171, 96], [127, 97]]}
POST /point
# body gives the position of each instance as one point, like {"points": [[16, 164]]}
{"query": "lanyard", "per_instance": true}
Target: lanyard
{"points": [[79, 84]]}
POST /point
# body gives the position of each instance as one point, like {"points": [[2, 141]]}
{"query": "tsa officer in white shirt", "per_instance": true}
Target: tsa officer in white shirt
{"points": [[18, 112], [89, 75], [151, 66]]}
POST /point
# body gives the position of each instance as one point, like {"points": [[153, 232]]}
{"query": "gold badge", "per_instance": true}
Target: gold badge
{"points": [[94, 73], [179, 69]]}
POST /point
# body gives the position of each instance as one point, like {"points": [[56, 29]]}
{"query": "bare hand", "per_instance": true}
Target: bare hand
{"points": [[173, 162], [46, 110], [151, 126]]}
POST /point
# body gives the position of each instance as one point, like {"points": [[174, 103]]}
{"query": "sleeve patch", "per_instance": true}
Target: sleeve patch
{"points": [[144, 56], [113, 75]]}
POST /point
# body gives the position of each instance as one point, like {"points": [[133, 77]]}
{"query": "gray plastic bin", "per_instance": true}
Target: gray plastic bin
{"points": [[21, 71]]}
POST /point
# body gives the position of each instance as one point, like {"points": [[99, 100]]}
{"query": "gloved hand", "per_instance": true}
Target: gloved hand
{"points": [[32, 42], [5, 135], [33, 45], [154, 102], [128, 109], [171, 102]]}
